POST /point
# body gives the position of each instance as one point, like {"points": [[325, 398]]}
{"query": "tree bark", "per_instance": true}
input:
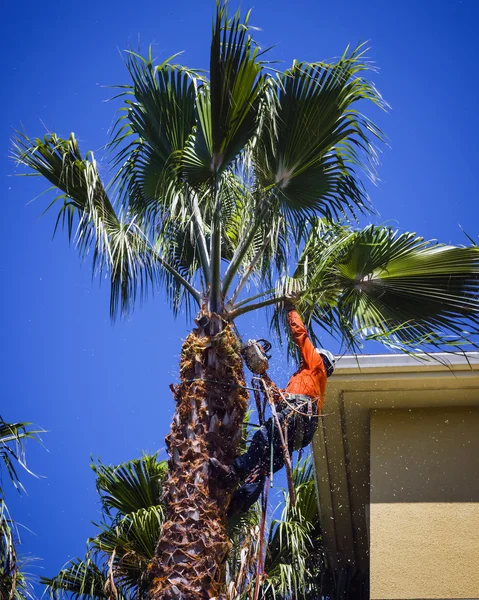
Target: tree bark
{"points": [[210, 408]]}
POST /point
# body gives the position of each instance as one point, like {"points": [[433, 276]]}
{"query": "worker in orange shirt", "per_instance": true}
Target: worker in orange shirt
{"points": [[298, 407]]}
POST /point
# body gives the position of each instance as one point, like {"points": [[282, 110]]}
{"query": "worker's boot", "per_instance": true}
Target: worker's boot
{"points": [[224, 472]]}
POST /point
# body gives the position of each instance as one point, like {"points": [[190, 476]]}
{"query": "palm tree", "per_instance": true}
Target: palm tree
{"points": [[116, 563], [229, 193], [13, 580]]}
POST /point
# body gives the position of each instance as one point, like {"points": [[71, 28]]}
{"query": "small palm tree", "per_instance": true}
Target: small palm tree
{"points": [[13, 580], [116, 563], [291, 564], [230, 193]]}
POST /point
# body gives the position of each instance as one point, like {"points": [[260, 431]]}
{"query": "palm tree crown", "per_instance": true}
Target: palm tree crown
{"points": [[233, 179]]}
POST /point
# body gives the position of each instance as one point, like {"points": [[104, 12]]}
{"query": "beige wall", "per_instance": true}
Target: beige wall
{"points": [[424, 503]]}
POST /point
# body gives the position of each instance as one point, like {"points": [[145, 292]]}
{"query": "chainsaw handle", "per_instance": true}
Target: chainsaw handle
{"points": [[266, 347]]}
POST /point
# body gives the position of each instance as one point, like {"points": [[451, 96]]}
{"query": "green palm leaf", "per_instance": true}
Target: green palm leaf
{"points": [[395, 288], [12, 450], [290, 539], [118, 556], [14, 584], [130, 542], [120, 247], [159, 116], [82, 580], [311, 145], [313, 139], [399, 287], [227, 107], [130, 486]]}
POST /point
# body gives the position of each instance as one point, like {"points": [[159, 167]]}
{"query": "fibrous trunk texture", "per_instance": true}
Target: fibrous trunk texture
{"points": [[210, 407]]}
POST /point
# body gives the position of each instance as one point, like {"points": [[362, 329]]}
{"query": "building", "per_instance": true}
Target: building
{"points": [[397, 463]]}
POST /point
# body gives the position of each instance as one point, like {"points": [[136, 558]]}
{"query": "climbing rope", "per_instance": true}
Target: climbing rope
{"points": [[284, 447], [261, 536], [271, 454]]}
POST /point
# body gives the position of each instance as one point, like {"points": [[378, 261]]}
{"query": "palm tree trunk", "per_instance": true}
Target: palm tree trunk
{"points": [[210, 407]]}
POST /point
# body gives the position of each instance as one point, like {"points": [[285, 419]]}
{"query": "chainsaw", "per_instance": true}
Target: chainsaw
{"points": [[255, 355]]}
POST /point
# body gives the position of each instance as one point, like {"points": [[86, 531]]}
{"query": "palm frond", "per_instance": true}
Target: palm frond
{"points": [[399, 288], [81, 580], [130, 542], [290, 540], [264, 244], [120, 248], [116, 563], [313, 140], [311, 147], [130, 486], [12, 449], [394, 288], [151, 134], [179, 244], [226, 107], [14, 583]]}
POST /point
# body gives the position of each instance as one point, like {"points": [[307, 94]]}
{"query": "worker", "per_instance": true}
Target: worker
{"points": [[298, 408]]}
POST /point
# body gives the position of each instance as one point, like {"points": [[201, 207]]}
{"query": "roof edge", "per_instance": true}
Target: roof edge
{"points": [[436, 361]]}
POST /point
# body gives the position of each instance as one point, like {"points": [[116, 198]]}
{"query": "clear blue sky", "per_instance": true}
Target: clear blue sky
{"points": [[102, 390]]}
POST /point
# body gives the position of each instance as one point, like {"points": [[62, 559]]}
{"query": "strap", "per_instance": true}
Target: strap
{"points": [[257, 398], [271, 454]]}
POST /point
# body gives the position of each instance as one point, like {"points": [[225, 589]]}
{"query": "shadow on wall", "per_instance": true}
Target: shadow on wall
{"points": [[425, 455]]}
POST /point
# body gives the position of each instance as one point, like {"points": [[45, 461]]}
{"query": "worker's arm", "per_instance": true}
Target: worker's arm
{"points": [[300, 334]]}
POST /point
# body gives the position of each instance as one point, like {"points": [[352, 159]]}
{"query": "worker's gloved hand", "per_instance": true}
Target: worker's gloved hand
{"points": [[290, 301]]}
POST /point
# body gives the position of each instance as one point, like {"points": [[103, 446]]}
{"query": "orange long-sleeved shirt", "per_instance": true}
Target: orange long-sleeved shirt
{"points": [[310, 378]]}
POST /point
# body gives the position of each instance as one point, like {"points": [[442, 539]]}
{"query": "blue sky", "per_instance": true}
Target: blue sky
{"points": [[102, 390]]}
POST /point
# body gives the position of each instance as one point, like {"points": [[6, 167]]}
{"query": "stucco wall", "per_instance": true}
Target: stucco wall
{"points": [[424, 503]]}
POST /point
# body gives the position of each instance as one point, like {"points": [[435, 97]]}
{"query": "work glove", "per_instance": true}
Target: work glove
{"points": [[290, 301]]}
